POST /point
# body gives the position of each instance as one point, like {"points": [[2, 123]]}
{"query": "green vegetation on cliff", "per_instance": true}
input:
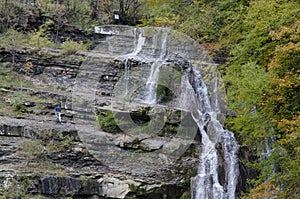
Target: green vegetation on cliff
{"points": [[255, 41]]}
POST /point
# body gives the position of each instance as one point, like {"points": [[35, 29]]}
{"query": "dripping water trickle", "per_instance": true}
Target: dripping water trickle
{"points": [[151, 84], [139, 41]]}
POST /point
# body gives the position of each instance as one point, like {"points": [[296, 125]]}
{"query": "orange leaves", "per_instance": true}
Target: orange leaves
{"points": [[290, 126], [284, 70], [292, 129], [265, 190], [292, 32], [288, 81]]}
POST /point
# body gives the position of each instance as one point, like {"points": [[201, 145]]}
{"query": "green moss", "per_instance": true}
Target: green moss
{"points": [[185, 195], [164, 94], [108, 122], [133, 188]]}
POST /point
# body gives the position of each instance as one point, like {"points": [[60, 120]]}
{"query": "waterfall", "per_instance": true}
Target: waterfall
{"points": [[207, 183], [126, 77], [269, 168], [154, 43], [138, 46], [152, 80], [218, 170]]}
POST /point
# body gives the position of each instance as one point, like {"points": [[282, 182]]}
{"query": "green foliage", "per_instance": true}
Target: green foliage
{"points": [[169, 79], [41, 37], [261, 40], [133, 188], [169, 130], [82, 14], [163, 94], [12, 39], [186, 183], [19, 106], [13, 15], [108, 122], [255, 42], [262, 78], [66, 142], [31, 149], [247, 84], [185, 195], [17, 188], [71, 47], [202, 20], [8, 78]]}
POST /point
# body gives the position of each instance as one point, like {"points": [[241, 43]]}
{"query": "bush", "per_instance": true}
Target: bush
{"points": [[71, 47], [107, 122], [19, 106], [31, 149]]}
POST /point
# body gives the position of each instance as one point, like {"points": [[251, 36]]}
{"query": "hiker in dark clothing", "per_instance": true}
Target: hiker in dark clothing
{"points": [[58, 113]]}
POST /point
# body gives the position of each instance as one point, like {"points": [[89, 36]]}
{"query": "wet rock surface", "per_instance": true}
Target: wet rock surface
{"points": [[79, 159]]}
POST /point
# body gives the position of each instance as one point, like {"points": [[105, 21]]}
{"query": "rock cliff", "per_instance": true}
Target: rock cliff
{"points": [[112, 143]]}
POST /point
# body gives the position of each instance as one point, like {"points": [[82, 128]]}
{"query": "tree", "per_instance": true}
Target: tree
{"points": [[267, 45], [128, 11], [12, 40], [283, 102]]}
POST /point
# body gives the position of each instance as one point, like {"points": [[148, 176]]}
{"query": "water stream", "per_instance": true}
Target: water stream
{"points": [[207, 183], [139, 41], [152, 80], [218, 170]]}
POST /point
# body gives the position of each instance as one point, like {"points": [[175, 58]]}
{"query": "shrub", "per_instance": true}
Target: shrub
{"points": [[41, 38], [71, 47], [107, 122], [31, 149], [19, 106]]}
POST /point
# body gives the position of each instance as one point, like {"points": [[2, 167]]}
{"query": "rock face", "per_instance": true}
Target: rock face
{"points": [[147, 144]]}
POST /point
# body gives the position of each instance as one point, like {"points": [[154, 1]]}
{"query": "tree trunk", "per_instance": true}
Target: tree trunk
{"points": [[94, 7]]}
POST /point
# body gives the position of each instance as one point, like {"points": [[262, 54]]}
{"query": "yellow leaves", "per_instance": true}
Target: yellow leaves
{"points": [[284, 70], [295, 37], [291, 32], [156, 2], [292, 129], [169, 21], [265, 190], [28, 67]]}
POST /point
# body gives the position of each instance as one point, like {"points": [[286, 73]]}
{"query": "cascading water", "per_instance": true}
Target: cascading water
{"points": [[151, 83], [126, 77], [154, 43], [269, 168], [207, 184], [218, 168], [218, 164], [138, 45]]}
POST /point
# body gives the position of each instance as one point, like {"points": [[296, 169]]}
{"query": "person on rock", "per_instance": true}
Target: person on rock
{"points": [[58, 113]]}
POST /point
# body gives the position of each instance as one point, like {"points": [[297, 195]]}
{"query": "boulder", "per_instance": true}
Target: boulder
{"points": [[116, 188]]}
